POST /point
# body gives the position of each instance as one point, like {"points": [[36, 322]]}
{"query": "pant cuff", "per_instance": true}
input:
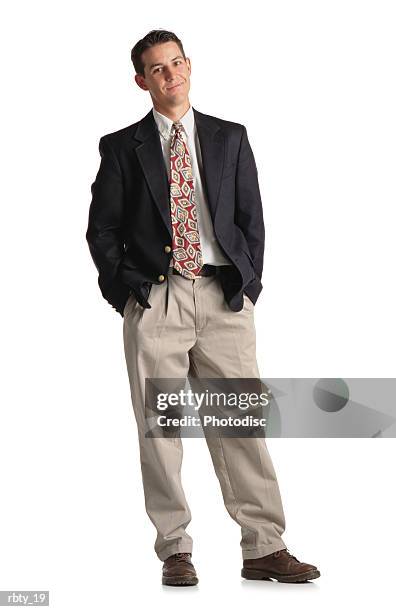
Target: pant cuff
{"points": [[261, 551], [176, 548]]}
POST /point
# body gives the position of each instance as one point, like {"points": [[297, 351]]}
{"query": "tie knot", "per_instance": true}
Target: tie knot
{"points": [[177, 132], [177, 128]]}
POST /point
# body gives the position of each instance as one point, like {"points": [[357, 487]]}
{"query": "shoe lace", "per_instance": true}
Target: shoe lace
{"points": [[285, 551]]}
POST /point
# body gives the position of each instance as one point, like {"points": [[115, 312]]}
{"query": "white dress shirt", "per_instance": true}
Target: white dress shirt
{"points": [[212, 253]]}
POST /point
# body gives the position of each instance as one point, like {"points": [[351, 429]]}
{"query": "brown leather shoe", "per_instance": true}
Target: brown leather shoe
{"points": [[280, 565], [178, 570]]}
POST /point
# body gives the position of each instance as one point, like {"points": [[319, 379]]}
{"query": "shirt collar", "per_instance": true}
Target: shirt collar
{"points": [[164, 124]]}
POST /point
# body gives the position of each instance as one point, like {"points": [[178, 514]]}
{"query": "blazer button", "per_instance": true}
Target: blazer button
{"points": [[167, 249], [161, 278]]}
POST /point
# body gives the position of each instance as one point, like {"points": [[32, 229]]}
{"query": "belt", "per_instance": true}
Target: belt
{"points": [[206, 270]]}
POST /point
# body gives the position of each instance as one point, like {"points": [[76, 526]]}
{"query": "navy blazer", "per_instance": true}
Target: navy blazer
{"points": [[129, 222]]}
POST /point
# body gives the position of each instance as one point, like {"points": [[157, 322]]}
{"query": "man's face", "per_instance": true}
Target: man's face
{"points": [[166, 74]]}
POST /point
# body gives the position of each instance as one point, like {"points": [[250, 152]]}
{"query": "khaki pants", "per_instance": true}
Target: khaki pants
{"points": [[190, 329]]}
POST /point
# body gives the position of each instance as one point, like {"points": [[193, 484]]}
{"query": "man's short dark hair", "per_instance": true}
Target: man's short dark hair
{"points": [[154, 37]]}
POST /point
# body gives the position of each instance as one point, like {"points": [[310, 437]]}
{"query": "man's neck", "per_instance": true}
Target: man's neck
{"points": [[175, 112]]}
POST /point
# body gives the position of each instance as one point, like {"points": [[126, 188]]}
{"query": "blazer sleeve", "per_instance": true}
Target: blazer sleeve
{"points": [[105, 221], [248, 206]]}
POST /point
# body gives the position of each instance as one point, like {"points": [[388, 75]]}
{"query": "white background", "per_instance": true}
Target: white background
{"points": [[314, 83]]}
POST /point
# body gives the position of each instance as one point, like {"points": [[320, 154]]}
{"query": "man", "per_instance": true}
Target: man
{"points": [[176, 232]]}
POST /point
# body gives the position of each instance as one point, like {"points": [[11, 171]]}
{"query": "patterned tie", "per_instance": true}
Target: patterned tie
{"points": [[186, 246]]}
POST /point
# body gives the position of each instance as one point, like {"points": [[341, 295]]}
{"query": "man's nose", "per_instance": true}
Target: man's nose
{"points": [[170, 73]]}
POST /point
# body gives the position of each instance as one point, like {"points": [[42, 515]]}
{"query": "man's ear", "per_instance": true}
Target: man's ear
{"points": [[188, 64], [140, 80]]}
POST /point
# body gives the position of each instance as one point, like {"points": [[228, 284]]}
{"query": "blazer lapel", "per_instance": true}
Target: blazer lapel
{"points": [[151, 159], [211, 140]]}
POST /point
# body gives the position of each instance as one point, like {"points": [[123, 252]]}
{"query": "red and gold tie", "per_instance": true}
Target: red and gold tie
{"points": [[186, 246]]}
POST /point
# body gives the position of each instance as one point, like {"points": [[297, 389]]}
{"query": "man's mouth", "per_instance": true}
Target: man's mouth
{"points": [[174, 86]]}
